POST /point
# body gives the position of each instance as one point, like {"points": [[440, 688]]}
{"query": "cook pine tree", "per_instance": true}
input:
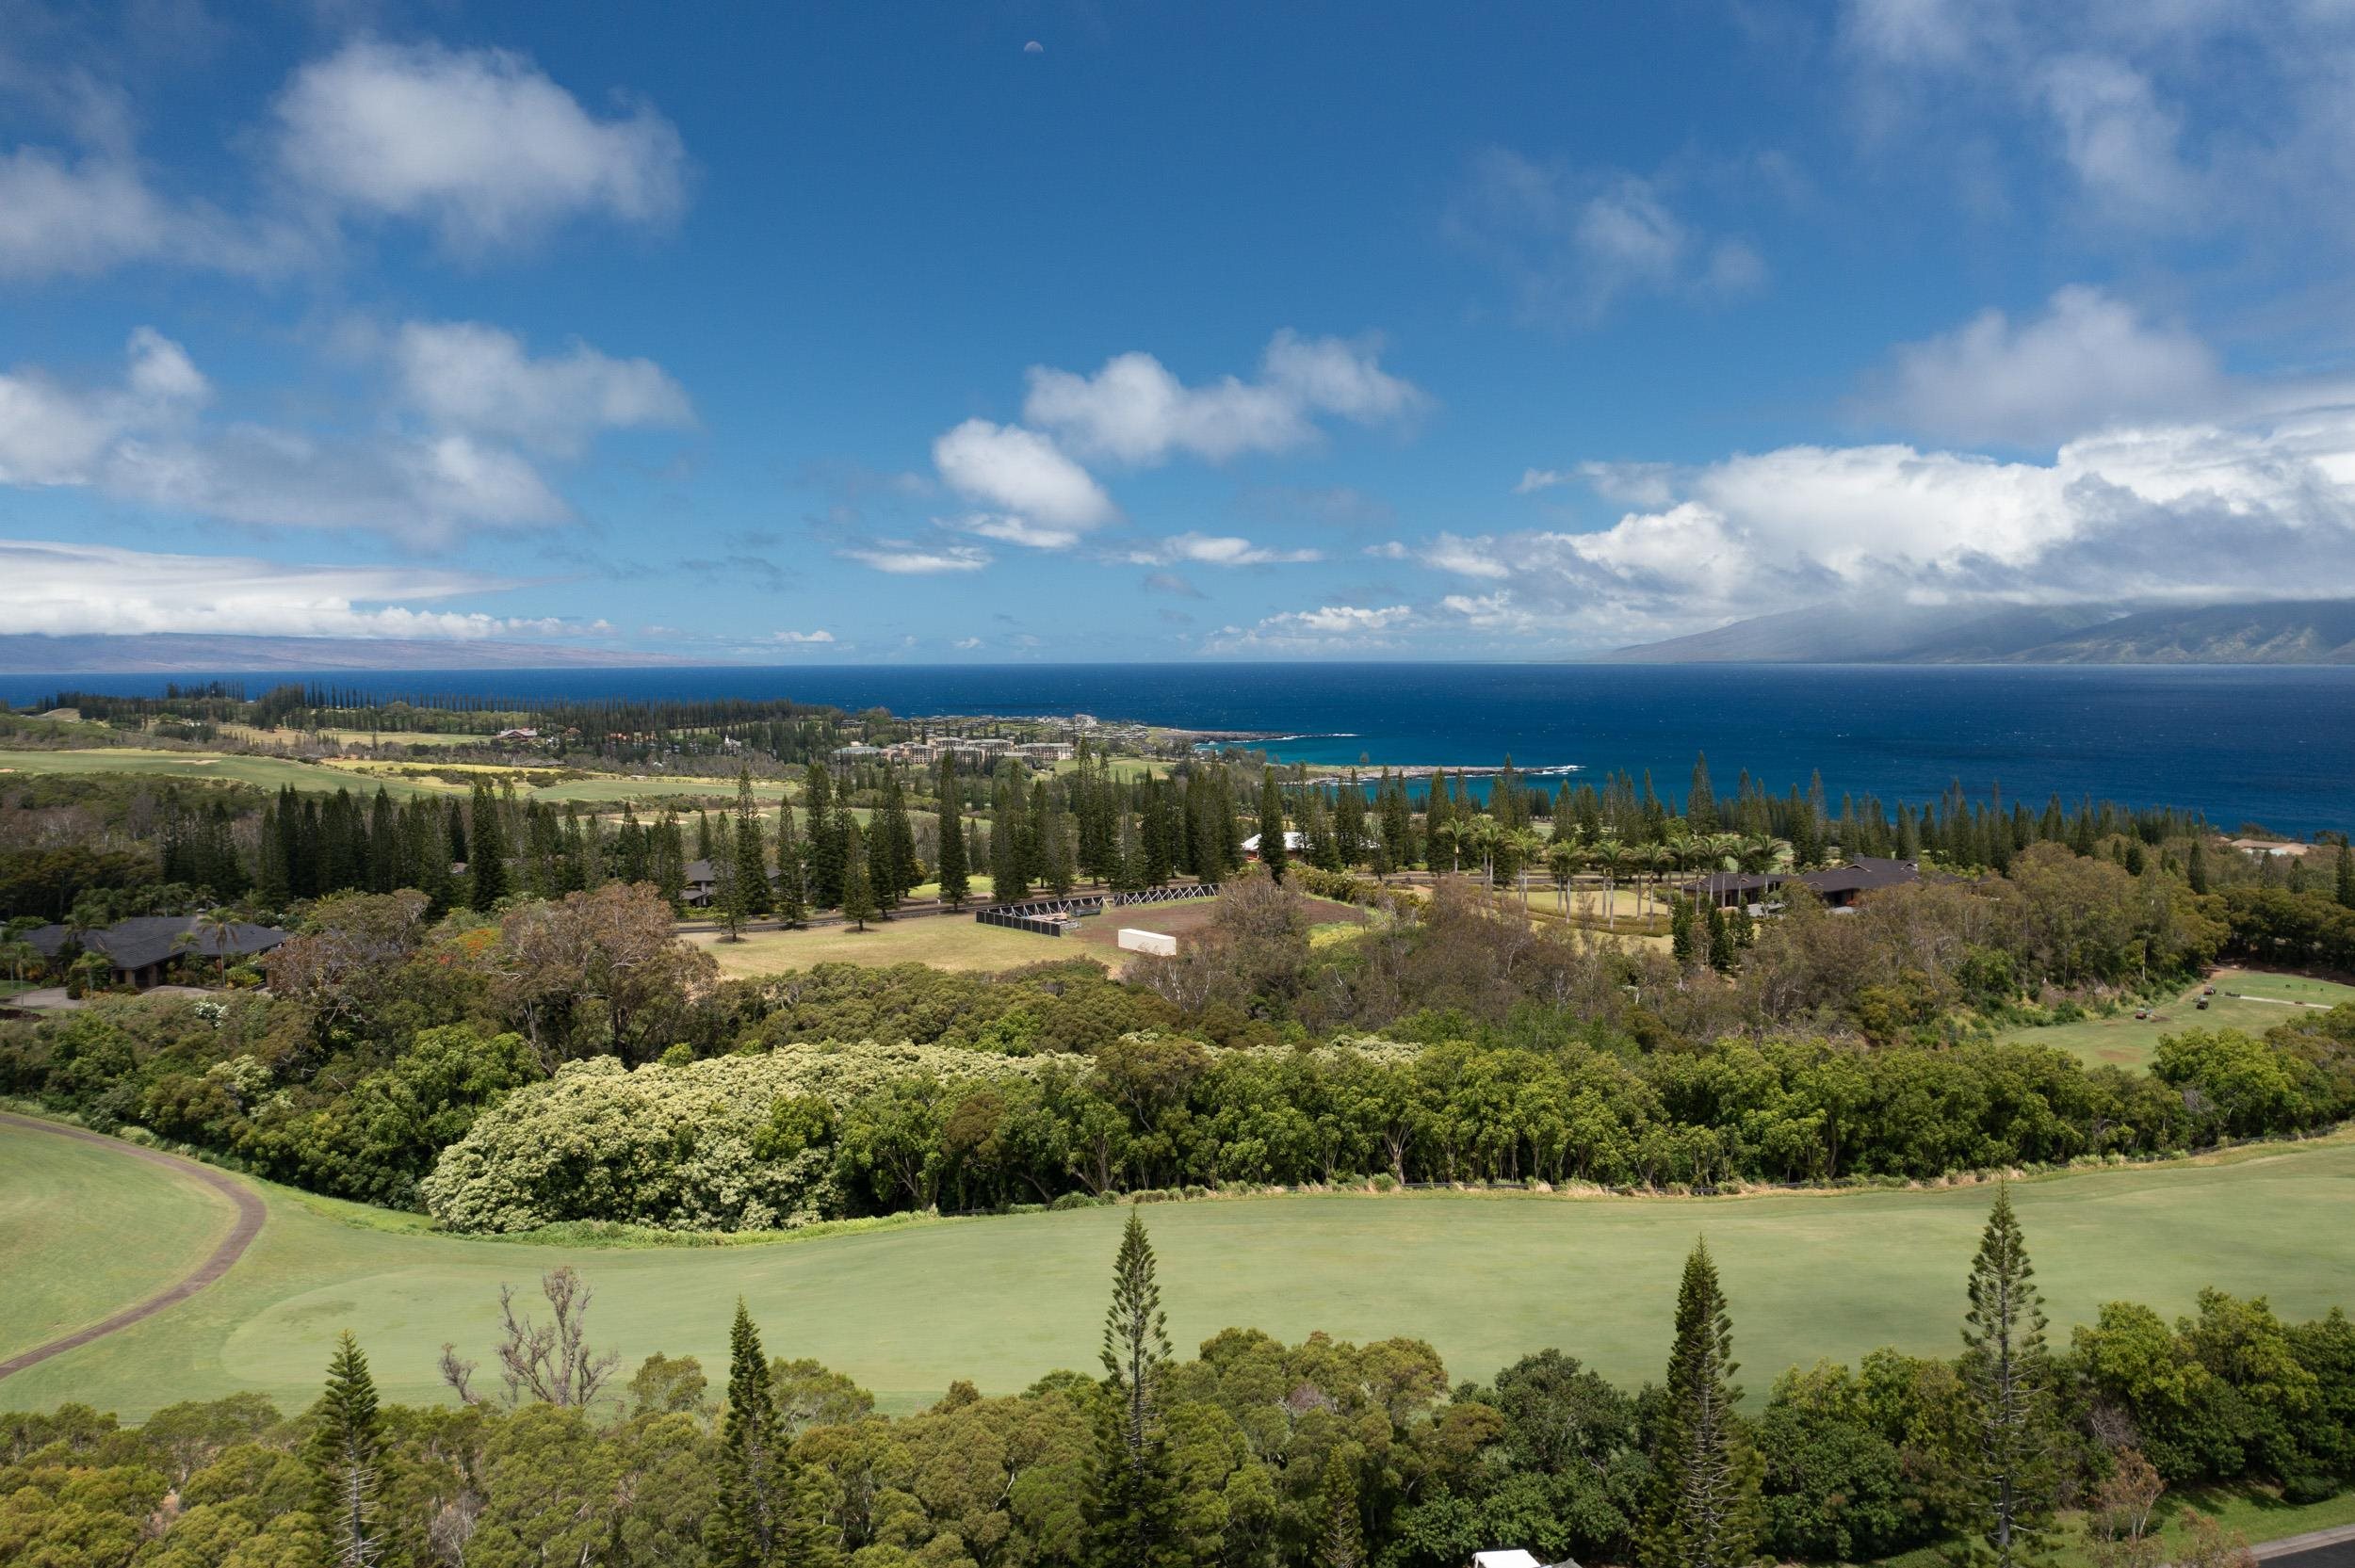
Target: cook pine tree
{"points": [[347, 1460], [1272, 846], [763, 1513], [1135, 1494], [1704, 1508], [2008, 1376], [955, 876]]}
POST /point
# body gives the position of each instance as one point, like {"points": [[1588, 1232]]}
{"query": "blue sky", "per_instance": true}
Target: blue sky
{"points": [[1185, 331]]}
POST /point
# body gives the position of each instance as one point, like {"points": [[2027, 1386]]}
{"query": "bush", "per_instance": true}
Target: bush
{"points": [[1075, 1199], [1384, 1181], [2313, 1487]]}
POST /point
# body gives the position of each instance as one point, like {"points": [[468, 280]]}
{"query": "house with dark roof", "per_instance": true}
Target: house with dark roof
{"points": [[1840, 886], [143, 950]]}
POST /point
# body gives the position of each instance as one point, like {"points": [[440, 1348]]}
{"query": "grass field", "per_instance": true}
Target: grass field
{"points": [[57, 1195], [943, 941], [1486, 1278], [267, 772], [2245, 999]]}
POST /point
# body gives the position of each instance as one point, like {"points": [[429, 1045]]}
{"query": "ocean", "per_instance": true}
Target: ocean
{"points": [[2272, 746]]}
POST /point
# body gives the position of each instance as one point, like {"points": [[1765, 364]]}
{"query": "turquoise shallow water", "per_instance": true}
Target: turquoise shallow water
{"points": [[2270, 745]]}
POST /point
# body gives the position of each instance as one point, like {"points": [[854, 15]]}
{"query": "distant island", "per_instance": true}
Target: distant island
{"points": [[2318, 631]]}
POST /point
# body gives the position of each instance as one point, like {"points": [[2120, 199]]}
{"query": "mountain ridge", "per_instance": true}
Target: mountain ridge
{"points": [[2287, 631]]}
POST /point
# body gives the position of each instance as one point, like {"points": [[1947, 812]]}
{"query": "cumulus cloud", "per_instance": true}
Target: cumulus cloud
{"points": [[2158, 512], [1217, 550], [142, 442], [1021, 471], [467, 376], [2089, 360], [965, 645], [1134, 411], [79, 215], [1575, 244], [1328, 628], [76, 589], [903, 559], [479, 145], [820, 636]]}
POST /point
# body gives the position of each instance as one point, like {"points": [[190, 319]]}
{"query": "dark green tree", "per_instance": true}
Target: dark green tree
{"points": [[1704, 1509], [2196, 868], [955, 881], [1133, 1524], [858, 894], [348, 1460], [1344, 1540], [825, 836], [487, 867], [2007, 1375], [761, 1516], [792, 869], [1271, 847], [2347, 877], [751, 855]]}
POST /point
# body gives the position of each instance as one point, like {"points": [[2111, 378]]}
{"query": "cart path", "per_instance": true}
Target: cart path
{"points": [[251, 1213]]}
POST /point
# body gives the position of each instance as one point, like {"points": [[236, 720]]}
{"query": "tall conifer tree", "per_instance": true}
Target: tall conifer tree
{"points": [[761, 1516], [1273, 853], [488, 865], [1705, 1510], [2008, 1377], [955, 880], [1136, 1489], [347, 1458], [793, 868], [859, 897]]}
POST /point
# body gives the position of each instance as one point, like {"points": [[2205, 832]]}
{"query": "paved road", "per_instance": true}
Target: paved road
{"points": [[2333, 1548], [251, 1214]]}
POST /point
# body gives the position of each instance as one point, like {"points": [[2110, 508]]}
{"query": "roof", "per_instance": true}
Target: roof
{"points": [[698, 871], [147, 939], [1293, 839], [1862, 875]]}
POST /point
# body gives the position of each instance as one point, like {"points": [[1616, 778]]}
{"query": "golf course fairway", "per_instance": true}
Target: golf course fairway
{"points": [[903, 1309]]}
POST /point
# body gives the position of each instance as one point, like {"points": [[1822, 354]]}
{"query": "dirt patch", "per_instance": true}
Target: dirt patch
{"points": [[1188, 918]]}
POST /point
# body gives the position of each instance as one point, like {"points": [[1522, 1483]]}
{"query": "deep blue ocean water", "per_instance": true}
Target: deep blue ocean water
{"points": [[2269, 745]]}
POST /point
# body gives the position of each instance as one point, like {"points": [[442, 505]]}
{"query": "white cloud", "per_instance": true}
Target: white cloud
{"points": [[80, 216], [2089, 360], [820, 636], [1389, 549], [1217, 550], [142, 443], [1575, 244], [2118, 139], [467, 376], [479, 144], [1328, 628], [902, 558], [1133, 411], [75, 590], [1007, 529], [1023, 472], [2261, 507], [967, 644]]}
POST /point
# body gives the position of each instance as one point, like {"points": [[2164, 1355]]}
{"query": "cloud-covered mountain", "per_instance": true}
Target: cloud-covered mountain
{"points": [[2286, 631], [167, 653]]}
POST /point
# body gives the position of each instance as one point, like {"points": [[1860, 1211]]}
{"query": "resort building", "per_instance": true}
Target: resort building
{"points": [[142, 951], [1838, 887], [1294, 843]]}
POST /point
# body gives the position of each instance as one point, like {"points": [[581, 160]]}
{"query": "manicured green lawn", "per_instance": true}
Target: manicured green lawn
{"points": [[85, 1230], [1484, 1278], [267, 772], [2245, 999]]}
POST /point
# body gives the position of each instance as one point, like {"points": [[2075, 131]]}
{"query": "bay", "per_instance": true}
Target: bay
{"points": [[2271, 745]]}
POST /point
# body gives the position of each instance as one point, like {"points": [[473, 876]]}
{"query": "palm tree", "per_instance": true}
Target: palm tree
{"points": [[19, 955], [1610, 857], [1563, 857], [1529, 848], [215, 928]]}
